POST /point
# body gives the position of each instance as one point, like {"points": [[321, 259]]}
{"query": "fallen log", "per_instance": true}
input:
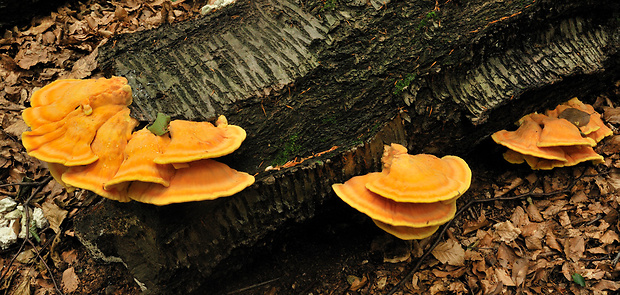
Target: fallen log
{"points": [[320, 87]]}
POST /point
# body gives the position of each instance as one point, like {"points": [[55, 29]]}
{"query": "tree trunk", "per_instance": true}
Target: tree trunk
{"points": [[341, 76]]}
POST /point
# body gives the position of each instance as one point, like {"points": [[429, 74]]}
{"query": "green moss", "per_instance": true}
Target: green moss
{"points": [[402, 84], [428, 17], [290, 149], [329, 120], [329, 5]]}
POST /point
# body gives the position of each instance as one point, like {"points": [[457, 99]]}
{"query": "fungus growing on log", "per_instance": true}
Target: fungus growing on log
{"points": [[108, 145], [355, 193], [202, 180], [191, 141], [525, 141], [412, 196], [68, 141], [563, 137], [423, 179], [138, 165], [83, 131], [55, 101], [561, 132]]}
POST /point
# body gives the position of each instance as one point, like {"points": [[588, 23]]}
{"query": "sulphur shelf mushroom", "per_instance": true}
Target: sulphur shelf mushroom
{"points": [[564, 136], [83, 130], [412, 196]]}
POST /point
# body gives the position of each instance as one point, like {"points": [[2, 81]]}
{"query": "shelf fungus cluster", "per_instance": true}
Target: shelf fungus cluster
{"points": [[83, 131], [564, 136], [412, 196]]}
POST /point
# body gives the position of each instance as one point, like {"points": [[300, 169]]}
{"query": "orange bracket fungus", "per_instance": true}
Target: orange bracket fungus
{"points": [[202, 180], [412, 196], [138, 165], [83, 131], [108, 145], [562, 137], [191, 141]]}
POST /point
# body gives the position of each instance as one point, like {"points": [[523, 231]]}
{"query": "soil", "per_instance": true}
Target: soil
{"points": [[559, 233]]}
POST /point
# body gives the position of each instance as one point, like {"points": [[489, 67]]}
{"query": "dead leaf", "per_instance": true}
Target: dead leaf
{"points": [[450, 252], [506, 231], [17, 128], [607, 285], [32, 54], [519, 271], [574, 248], [84, 66], [54, 214], [26, 256], [471, 226], [534, 234], [356, 282], [24, 286], [534, 213], [612, 115], [609, 237], [70, 281], [503, 277], [552, 242], [519, 218]]}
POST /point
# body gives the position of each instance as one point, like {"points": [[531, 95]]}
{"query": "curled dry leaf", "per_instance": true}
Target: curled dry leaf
{"points": [[450, 252], [506, 231], [70, 281]]}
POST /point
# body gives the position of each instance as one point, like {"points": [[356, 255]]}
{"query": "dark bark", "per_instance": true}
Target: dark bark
{"points": [[303, 77]]}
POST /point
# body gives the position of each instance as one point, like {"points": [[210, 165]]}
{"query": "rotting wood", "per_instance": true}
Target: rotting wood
{"points": [[325, 78], [162, 244]]}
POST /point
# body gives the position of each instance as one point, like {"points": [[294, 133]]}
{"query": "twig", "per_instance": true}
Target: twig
{"points": [[252, 286], [476, 201], [45, 180], [616, 259], [36, 251]]}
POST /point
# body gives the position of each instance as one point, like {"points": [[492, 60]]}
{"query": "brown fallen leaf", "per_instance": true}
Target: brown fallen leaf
{"points": [[70, 281], [506, 231], [54, 214], [574, 248], [534, 213], [450, 252]]}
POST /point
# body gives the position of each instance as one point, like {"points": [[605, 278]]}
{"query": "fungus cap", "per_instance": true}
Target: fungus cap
{"points": [[108, 145], [68, 141], [389, 151], [55, 101], [595, 120], [138, 165], [513, 157], [579, 154], [355, 193], [191, 141], [423, 179], [524, 140], [203, 180], [407, 233], [561, 132]]}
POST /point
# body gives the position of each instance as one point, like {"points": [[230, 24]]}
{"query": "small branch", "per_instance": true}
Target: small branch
{"points": [[47, 267], [252, 286], [45, 180]]}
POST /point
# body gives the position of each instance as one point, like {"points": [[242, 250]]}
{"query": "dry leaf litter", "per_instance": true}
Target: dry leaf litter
{"points": [[62, 44], [532, 246]]}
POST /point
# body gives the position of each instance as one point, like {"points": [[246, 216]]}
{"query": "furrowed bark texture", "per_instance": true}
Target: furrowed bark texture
{"points": [[339, 76]]}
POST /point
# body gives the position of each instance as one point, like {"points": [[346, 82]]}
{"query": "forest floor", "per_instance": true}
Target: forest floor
{"points": [[520, 231]]}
